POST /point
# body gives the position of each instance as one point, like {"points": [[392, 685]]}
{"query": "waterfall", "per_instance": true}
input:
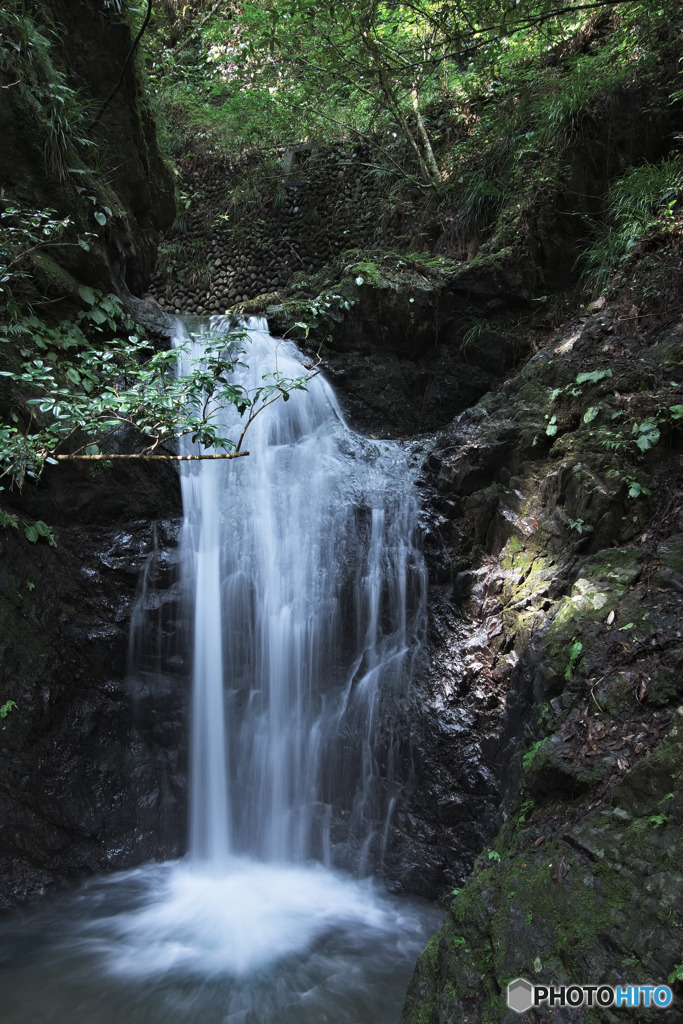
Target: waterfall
{"points": [[304, 596], [308, 591]]}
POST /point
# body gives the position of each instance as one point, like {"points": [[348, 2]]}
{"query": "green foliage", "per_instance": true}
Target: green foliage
{"points": [[24, 232], [311, 311], [33, 529], [574, 655], [5, 710], [365, 272], [661, 818], [676, 974], [82, 394], [494, 856], [475, 329], [37, 87], [593, 376], [643, 436], [638, 203], [525, 810], [635, 489], [570, 101], [646, 434], [528, 758], [480, 200], [477, 102]]}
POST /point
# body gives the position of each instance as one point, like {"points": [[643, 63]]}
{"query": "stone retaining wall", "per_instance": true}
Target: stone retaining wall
{"points": [[249, 229]]}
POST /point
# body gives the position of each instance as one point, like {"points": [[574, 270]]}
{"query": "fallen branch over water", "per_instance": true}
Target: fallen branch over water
{"points": [[153, 458]]}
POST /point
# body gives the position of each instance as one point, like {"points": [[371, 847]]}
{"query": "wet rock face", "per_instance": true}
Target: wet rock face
{"points": [[92, 762], [563, 580], [469, 702], [538, 565]]}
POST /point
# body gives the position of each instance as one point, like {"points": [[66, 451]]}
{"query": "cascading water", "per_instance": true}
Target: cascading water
{"points": [[309, 598], [305, 592]]}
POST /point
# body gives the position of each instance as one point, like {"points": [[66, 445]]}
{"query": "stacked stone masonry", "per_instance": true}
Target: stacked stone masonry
{"points": [[248, 230]]}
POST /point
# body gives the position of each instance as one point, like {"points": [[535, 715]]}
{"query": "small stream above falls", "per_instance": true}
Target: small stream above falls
{"points": [[304, 589]]}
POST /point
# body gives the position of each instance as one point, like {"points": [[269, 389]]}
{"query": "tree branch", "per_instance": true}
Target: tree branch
{"points": [[149, 458], [200, 24]]}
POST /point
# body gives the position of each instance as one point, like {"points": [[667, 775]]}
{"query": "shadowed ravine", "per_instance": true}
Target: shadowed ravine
{"points": [[305, 596]]}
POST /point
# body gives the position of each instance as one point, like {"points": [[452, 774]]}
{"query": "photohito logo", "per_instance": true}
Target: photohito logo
{"points": [[522, 995]]}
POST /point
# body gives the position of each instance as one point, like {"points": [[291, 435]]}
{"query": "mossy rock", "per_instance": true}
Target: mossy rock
{"points": [[604, 581], [643, 788], [599, 901]]}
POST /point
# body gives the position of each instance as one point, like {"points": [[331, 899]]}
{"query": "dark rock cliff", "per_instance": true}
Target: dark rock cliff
{"points": [[92, 764], [91, 775], [564, 539], [84, 141]]}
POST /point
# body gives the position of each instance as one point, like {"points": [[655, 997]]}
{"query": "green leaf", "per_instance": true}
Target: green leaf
{"points": [[5, 709], [590, 413], [676, 974], [635, 490], [648, 440], [6, 519], [87, 294], [100, 217], [73, 375], [593, 377]]}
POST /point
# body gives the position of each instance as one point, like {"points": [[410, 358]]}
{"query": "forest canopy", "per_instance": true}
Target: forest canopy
{"points": [[265, 73]]}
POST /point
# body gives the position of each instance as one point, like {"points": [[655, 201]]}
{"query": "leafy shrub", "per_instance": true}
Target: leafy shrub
{"points": [[641, 201]]}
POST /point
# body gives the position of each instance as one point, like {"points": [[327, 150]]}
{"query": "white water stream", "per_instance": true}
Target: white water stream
{"points": [[306, 593]]}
